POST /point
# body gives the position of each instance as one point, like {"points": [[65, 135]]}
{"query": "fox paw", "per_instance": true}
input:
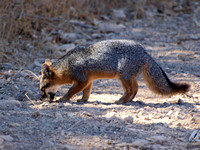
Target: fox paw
{"points": [[62, 100], [119, 102], [81, 100]]}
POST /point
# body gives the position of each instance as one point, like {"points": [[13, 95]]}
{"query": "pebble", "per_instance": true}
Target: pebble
{"points": [[128, 119], [45, 104], [140, 143], [39, 61], [111, 27], [116, 120], [1, 141], [158, 146], [96, 36], [193, 135], [66, 47], [35, 114], [110, 114], [70, 36], [14, 125], [69, 147], [196, 119], [180, 102], [7, 138], [10, 104], [119, 13], [58, 117], [159, 139]]}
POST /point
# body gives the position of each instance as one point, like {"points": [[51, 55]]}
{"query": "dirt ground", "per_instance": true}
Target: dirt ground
{"points": [[149, 122]]}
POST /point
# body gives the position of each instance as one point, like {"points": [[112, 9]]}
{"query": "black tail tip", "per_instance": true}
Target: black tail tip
{"points": [[182, 87]]}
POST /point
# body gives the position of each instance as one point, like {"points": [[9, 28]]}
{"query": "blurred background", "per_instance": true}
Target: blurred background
{"points": [[33, 29]]}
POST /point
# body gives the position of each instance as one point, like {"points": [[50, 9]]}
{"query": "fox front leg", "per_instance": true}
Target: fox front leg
{"points": [[76, 88]]}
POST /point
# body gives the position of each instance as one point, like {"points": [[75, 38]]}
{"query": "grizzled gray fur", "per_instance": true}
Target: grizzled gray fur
{"points": [[120, 59]]}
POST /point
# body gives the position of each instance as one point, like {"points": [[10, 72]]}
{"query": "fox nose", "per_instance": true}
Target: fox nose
{"points": [[43, 94]]}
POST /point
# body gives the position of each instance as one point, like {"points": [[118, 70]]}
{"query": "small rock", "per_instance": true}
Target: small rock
{"points": [[140, 143], [128, 119], [48, 144], [110, 114], [10, 104], [1, 141], [158, 146], [66, 47], [159, 139], [116, 120], [97, 102], [111, 27], [96, 36], [197, 137], [180, 102], [7, 138], [45, 104], [119, 13], [14, 125], [58, 117], [71, 37], [193, 135], [67, 147], [35, 114], [197, 119], [194, 37], [7, 66], [39, 61]]}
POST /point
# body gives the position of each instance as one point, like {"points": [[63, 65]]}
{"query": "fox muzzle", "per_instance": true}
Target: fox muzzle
{"points": [[52, 95], [43, 94]]}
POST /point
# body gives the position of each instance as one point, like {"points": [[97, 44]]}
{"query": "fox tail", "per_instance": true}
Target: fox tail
{"points": [[158, 81]]}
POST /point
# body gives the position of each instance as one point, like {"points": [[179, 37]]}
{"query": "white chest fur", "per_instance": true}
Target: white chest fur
{"points": [[53, 89]]}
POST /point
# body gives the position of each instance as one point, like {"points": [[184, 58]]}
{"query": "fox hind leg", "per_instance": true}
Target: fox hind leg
{"points": [[86, 93], [127, 86], [134, 89], [130, 90]]}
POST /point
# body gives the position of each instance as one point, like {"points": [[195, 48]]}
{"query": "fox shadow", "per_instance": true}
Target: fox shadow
{"points": [[139, 104]]}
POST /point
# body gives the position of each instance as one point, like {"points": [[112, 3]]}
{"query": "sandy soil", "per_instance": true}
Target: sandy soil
{"points": [[149, 122]]}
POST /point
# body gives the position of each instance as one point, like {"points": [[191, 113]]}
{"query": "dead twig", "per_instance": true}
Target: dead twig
{"points": [[33, 74], [74, 125], [29, 98]]}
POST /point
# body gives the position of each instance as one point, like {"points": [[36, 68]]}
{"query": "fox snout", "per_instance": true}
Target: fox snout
{"points": [[43, 94], [45, 90]]}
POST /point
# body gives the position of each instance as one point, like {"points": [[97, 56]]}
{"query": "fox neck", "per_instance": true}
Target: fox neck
{"points": [[62, 78]]}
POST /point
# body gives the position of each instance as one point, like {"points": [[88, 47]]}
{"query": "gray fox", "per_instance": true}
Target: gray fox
{"points": [[120, 59]]}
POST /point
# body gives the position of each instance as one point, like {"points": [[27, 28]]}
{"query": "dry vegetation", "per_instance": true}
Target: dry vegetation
{"points": [[23, 22]]}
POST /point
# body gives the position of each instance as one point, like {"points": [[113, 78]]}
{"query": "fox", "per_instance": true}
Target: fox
{"points": [[123, 60]]}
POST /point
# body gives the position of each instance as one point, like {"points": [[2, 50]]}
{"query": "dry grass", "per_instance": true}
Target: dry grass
{"points": [[22, 21], [19, 17]]}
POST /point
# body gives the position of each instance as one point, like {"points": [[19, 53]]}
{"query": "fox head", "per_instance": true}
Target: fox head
{"points": [[47, 81]]}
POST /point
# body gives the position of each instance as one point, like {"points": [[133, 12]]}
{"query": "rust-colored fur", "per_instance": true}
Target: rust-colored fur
{"points": [[120, 59]]}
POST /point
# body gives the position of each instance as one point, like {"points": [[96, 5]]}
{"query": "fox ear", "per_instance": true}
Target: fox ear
{"points": [[46, 70], [48, 62]]}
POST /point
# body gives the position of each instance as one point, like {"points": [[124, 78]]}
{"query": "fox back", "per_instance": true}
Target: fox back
{"points": [[121, 59]]}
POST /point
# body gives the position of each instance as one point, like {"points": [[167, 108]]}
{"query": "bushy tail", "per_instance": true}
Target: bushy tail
{"points": [[158, 81]]}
